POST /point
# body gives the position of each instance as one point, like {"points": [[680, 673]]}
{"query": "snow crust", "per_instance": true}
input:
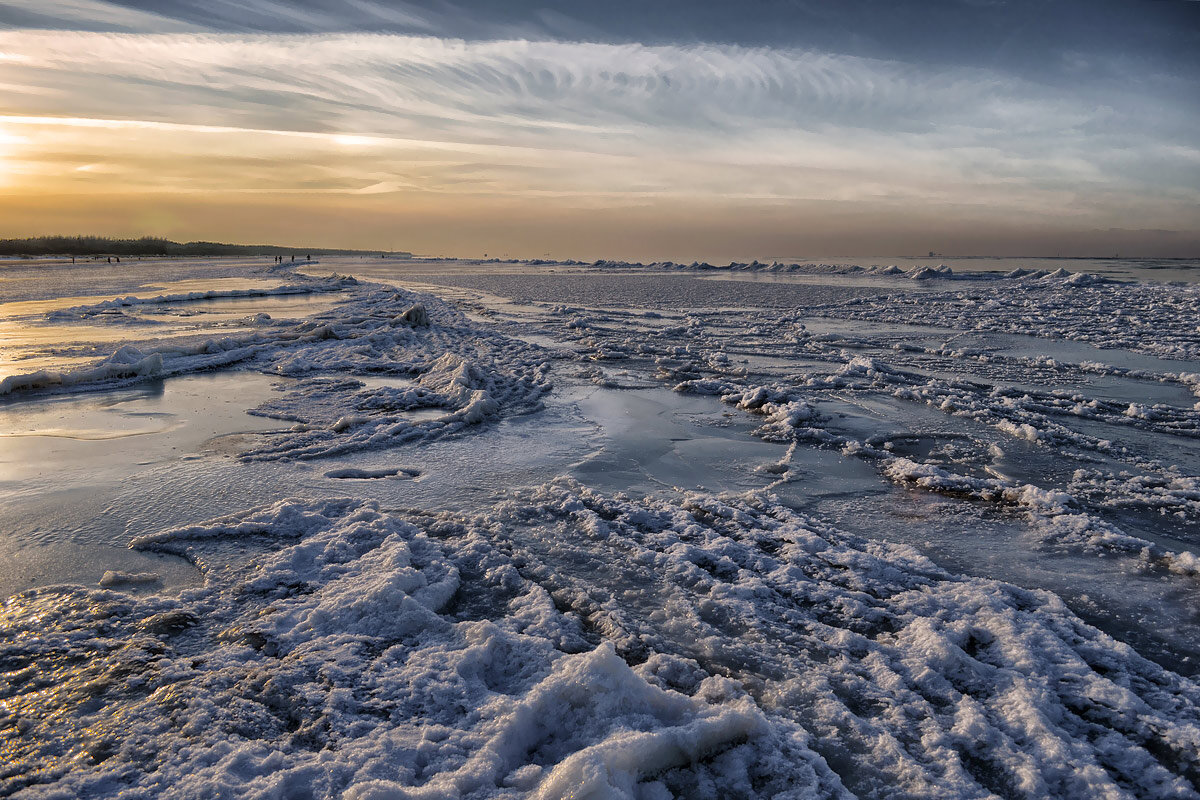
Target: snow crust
{"points": [[366, 654]]}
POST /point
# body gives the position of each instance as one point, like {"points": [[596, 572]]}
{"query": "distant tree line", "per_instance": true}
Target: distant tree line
{"points": [[151, 246]]}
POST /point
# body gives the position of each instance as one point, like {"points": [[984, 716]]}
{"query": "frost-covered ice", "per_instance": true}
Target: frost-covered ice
{"points": [[465, 371], [365, 654], [779, 610], [119, 304]]}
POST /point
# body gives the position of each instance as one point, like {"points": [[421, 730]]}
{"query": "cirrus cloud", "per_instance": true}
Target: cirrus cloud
{"points": [[598, 125]]}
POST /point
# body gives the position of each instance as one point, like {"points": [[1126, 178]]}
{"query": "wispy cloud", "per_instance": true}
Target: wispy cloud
{"points": [[597, 125], [89, 15]]}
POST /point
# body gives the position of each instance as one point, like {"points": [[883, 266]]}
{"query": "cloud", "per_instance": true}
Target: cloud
{"points": [[591, 124], [1025, 37], [89, 15], [382, 80]]}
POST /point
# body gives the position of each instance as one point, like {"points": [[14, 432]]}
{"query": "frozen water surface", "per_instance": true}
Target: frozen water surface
{"points": [[597, 530], [63, 459]]}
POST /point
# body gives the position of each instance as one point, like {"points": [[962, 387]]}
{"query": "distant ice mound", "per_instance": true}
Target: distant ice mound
{"points": [[1085, 279], [926, 273]]}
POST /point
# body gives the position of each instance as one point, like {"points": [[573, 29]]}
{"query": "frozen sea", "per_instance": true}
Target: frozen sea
{"points": [[382, 528]]}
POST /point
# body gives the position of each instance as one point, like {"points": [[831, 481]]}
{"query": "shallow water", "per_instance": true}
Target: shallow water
{"points": [[65, 461]]}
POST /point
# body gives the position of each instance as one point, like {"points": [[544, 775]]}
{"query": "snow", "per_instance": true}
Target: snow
{"points": [[127, 362], [349, 657], [583, 637]]}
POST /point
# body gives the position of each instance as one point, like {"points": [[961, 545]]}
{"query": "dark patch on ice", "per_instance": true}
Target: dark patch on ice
{"points": [[351, 473]]}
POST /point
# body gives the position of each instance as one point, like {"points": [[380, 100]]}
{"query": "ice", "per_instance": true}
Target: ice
{"points": [[112, 578], [502, 692], [312, 285], [351, 658], [856, 536], [1144, 318], [470, 388], [387, 472], [127, 362], [62, 460], [1043, 433]]}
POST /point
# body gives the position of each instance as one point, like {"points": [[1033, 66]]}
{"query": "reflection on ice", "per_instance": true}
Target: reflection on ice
{"points": [[648, 440], [63, 561], [54, 478]]}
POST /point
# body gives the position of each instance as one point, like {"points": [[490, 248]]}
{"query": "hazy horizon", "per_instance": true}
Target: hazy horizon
{"points": [[848, 257], [681, 132]]}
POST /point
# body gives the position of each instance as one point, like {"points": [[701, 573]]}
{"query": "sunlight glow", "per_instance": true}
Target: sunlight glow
{"points": [[8, 146], [351, 140]]}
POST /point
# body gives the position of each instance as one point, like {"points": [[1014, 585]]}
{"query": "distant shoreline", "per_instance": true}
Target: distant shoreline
{"points": [[99, 246]]}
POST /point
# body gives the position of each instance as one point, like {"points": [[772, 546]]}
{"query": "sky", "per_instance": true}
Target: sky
{"points": [[639, 130]]}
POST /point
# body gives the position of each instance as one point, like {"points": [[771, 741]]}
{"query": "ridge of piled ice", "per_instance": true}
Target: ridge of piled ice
{"points": [[917, 273], [304, 285], [127, 362], [1145, 318], [470, 373]]}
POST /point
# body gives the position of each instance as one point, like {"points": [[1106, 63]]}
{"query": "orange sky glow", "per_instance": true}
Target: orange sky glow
{"points": [[578, 150]]}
